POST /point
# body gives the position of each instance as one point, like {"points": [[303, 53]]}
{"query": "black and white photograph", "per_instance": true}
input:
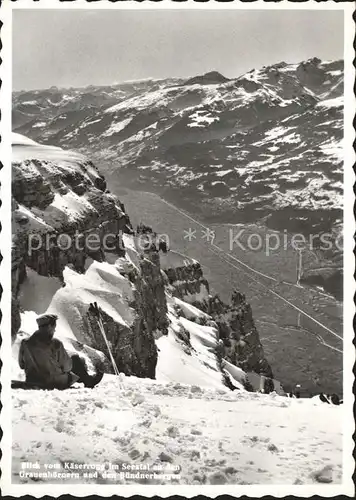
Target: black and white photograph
{"points": [[176, 183]]}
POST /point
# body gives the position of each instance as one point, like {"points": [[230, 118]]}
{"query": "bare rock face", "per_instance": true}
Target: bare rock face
{"points": [[310, 73], [61, 212], [211, 78], [150, 296], [237, 330], [133, 349], [188, 282], [29, 187]]}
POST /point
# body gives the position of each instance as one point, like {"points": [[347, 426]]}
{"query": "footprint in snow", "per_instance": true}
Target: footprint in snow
{"points": [[59, 427], [199, 479], [156, 411], [231, 470], [147, 422], [164, 457], [218, 478], [134, 454], [324, 475], [272, 448], [173, 431], [137, 399], [283, 405]]}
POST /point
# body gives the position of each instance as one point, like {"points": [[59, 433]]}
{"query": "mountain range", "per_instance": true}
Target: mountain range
{"points": [[264, 146]]}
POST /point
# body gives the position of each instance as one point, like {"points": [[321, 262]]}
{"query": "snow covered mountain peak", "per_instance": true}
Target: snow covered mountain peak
{"points": [[210, 78]]}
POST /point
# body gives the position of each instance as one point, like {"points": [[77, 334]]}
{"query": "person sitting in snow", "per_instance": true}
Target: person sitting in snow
{"points": [[46, 362]]}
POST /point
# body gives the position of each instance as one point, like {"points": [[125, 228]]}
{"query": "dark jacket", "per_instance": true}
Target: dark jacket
{"points": [[45, 362]]}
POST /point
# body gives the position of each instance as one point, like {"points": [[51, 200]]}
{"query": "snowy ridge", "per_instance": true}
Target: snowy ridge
{"points": [[25, 148], [60, 187]]}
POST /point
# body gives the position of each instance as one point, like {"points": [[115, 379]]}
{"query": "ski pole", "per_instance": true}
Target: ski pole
{"points": [[95, 310]]}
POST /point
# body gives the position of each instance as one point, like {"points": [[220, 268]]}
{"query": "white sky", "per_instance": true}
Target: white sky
{"points": [[82, 47]]}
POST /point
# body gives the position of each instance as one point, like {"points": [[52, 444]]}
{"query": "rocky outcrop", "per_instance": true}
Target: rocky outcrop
{"points": [[62, 216], [133, 349], [239, 335], [150, 295], [239, 339], [29, 187], [310, 73], [187, 282]]}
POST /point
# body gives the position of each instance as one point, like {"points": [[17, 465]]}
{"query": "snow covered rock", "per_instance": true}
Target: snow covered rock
{"points": [[65, 280], [185, 276], [61, 213], [239, 344], [236, 344]]}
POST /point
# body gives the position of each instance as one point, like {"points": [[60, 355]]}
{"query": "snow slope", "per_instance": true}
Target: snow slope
{"points": [[197, 435], [24, 148], [173, 365], [102, 283], [193, 362]]}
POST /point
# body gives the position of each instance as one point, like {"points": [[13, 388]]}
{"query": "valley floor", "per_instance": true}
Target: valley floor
{"points": [[196, 435], [298, 349]]}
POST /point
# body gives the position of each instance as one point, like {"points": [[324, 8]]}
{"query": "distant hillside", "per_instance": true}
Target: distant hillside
{"points": [[266, 144]]}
